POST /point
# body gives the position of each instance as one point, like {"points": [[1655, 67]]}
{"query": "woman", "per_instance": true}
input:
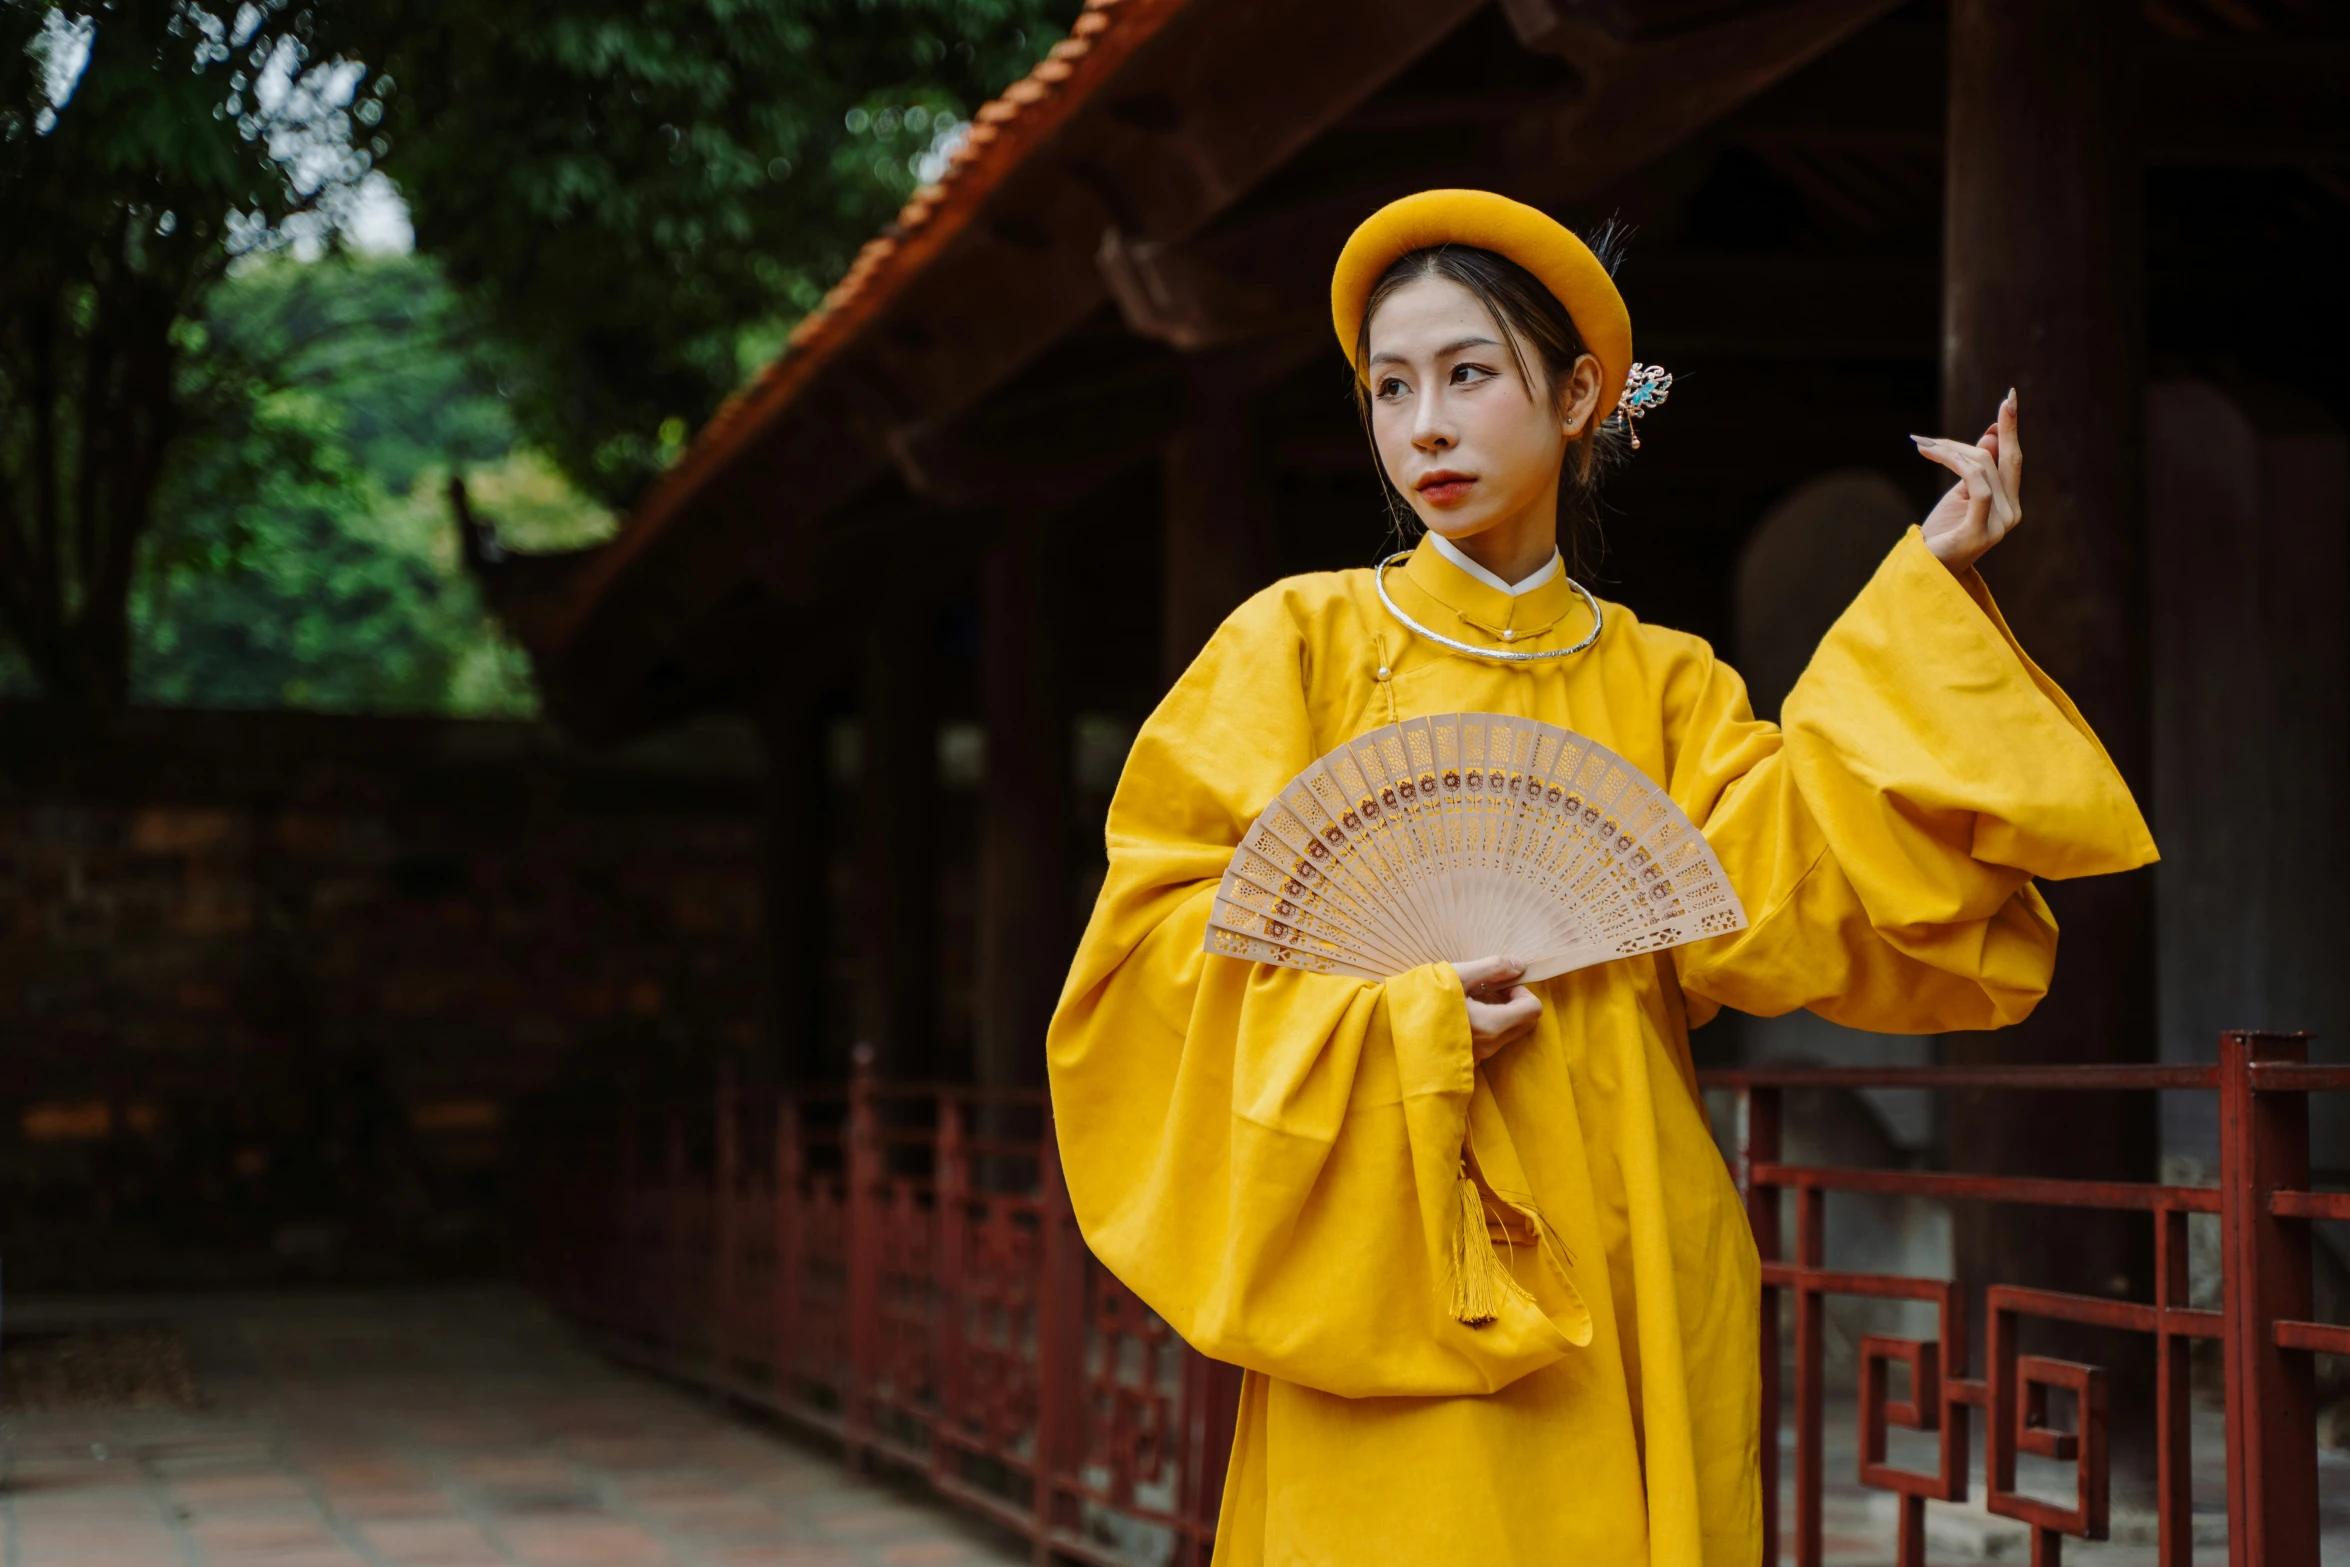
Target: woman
{"points": [[1268, 1156]]}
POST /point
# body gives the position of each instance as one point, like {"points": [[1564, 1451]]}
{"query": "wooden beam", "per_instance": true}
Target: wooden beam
{"points": [[2248, 102], [2254, 101], [1784, 307], [1648, 94], [1042, 453], [1263, 278], [2244, 101], [1551, 25], [1271, 273]]}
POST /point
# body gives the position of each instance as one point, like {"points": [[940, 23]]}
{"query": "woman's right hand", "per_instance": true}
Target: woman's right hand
{"points": [[1501, 1011]]}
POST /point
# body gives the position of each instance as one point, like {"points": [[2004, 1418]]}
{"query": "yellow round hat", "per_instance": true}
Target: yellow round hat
{"points": [[1534, 240]]}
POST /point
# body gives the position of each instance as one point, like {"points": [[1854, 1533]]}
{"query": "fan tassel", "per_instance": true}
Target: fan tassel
{"points": [[1481, 1281]]}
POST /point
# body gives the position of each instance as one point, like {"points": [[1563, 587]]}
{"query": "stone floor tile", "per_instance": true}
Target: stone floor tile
{"points": [[926, 1553], [418, 1503], [232, 1537], [434, 1429], [789, 1555], [409, 1536], [231, 1489]]}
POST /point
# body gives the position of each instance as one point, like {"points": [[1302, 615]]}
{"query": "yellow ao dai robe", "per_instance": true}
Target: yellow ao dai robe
{"points": [[1268, 1157]]}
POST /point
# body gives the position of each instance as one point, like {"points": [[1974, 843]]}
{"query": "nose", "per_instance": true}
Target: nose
{"points": [[1432, 429]]}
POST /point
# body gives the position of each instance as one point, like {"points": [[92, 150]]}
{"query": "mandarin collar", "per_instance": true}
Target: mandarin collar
{"points": [[1449, 600]]}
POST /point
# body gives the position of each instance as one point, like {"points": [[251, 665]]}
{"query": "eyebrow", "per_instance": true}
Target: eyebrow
{"points": [[1448, 349]]}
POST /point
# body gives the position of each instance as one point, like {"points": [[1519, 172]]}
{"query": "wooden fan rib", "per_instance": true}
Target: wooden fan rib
{"points": [[1399, 837], [1315, 872], [1366, 821], [1361, 874], [1240, 922], [1250, 949], [1387, 764], [1534, 826], [1325, 919], [1418, 739], [1362, 837], [1423, 839], [1266, 910]]}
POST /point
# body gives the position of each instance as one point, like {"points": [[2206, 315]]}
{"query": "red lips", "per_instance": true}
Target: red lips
{"points": [[1444, 487]]}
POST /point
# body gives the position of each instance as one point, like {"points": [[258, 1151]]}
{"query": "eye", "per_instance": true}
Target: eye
{"points": [[1470, 374], [1390, 388]]}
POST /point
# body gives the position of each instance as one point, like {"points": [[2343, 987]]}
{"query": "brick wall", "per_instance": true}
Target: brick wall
{"points": [[275, 989]]}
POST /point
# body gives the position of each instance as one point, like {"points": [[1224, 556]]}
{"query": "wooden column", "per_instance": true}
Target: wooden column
{"points": [[2044, 257], [797, 864], [896, 935], [1221, 546], [2251, 583], [1024, 808]]}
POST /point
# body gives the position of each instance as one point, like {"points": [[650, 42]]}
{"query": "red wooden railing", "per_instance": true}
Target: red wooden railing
{"points": [[2264, 1208], [919, 1292]]}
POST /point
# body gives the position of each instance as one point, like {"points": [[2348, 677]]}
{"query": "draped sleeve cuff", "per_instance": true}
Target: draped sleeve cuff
{"points": [[1921, 697]]}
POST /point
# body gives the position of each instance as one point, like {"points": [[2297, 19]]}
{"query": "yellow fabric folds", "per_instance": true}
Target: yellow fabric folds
{"points": [[1271, 1158]]}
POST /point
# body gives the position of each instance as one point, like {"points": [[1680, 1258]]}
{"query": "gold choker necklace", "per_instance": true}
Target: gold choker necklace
{"points": [[1498, 655]]}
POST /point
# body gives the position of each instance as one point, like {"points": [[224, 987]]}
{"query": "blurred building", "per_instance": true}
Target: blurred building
{"points": [[1080, 399]]}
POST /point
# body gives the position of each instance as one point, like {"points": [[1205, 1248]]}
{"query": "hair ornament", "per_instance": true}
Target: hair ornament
{"points": [[1645, 391]]}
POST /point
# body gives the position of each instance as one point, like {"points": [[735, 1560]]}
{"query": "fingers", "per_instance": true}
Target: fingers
{"points": [[1511, 1012], [1974, 466], [2001, 443], [1498, 1023], [2011, 451], [1501, 1011], [1479, 975], [1950, 454]]}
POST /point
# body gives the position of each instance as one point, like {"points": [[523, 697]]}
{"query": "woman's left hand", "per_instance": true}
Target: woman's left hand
{"points": [[1987, 502], [1501, 1011]]}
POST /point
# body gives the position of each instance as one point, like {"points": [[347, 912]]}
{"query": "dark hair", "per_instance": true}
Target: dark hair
{"points": [[1528, 314]]}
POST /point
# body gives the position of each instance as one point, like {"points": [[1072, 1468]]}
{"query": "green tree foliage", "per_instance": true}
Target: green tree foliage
{"points": [[142, 143], [631, 201], [641, 194], [307, 558]]}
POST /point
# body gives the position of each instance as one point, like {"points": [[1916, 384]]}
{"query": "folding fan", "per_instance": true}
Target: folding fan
{"points": [[1464, 836]]}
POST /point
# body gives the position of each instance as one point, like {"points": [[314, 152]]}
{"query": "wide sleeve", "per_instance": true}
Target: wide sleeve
{"points": [[1270, 1159], [1886, 840]]}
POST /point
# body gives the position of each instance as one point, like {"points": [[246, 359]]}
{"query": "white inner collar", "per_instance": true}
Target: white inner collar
{"points": [[1459, 557]]}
